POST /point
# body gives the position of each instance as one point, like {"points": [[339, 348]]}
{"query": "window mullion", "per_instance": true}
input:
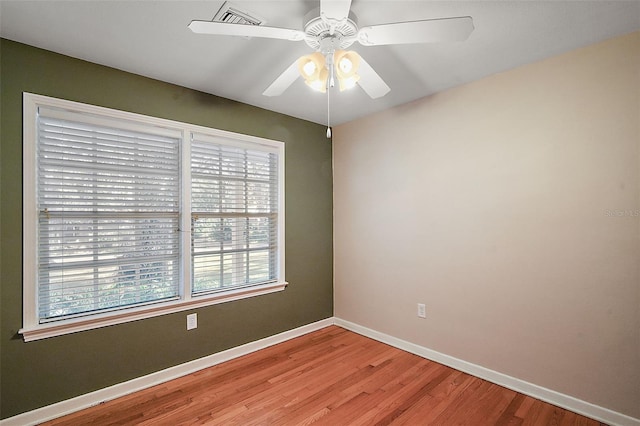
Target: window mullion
{"points": [[186, 220], [94, 249], [221, 197], [245, 186]]}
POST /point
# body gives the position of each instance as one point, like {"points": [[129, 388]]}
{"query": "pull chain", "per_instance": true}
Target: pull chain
{"points": [[328, 113]]}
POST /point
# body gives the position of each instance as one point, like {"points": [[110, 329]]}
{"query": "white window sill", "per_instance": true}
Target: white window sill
{"points": [[44, 331]]}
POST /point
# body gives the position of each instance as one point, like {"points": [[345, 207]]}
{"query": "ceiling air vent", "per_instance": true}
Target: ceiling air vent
{"points": [[232, 14]]}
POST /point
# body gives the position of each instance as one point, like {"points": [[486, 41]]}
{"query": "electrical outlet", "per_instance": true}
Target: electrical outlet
{"points": [[192, 321], [422, 310]]}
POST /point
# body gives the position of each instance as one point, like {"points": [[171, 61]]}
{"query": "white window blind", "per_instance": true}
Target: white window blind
{"points": [[234, 208], [108, 215], [127, 217]]}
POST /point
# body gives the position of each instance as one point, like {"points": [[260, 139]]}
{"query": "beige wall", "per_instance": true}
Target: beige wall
{"points": [[496, 204]]}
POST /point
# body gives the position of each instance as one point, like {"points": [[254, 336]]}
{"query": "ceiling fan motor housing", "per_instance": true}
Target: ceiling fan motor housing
{"points": [[318, 32]]}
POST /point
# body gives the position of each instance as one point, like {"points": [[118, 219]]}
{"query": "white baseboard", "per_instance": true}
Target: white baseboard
{"points": [[561, 400], [90, 399]]}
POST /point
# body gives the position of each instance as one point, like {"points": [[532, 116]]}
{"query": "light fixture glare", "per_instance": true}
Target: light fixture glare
{"points": [[309, 68], [319, 84], [347, 69], [348, 83], [345, 65], [316, 85]]}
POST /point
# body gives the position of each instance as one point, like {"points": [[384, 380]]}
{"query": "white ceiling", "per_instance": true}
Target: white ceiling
{"points": [[151, 38]]}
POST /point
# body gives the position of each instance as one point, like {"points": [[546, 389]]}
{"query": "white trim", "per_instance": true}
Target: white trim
{"points": [[185, 219], [584, 408], [121, 389], [281, 213], [29, 211], [90, 322]]}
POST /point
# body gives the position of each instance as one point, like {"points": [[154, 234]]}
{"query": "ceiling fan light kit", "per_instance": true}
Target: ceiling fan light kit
{"points": [[318, 70], [331, 29]]}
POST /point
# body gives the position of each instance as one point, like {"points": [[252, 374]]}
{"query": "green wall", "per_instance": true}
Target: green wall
{"points": [[43, 372]]}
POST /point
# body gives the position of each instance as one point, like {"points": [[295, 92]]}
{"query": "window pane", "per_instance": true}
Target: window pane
{"points": [[108, 200], [234, 216]]}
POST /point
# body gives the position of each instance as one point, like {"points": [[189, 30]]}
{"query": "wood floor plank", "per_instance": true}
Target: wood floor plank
{"points": [[508, 416], [397, 391], [330, 377], [452, 396]]}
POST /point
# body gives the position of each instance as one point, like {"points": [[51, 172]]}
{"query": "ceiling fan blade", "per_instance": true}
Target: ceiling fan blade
{"points": [[283, 82], [334, 10], [370, 81], [225, 28], [427, 31]]}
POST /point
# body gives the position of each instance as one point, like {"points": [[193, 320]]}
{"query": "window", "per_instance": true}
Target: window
{"points": [[234, 215], [128, 216]]}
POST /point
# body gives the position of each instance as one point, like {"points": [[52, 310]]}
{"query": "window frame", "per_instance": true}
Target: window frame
{"points": [[32, 328]]}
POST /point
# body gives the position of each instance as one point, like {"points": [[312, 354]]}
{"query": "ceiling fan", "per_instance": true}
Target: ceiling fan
{"points": [[330, 30]]}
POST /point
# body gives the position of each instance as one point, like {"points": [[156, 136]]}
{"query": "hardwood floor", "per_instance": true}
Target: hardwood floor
{"points": [[328, 377]]}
